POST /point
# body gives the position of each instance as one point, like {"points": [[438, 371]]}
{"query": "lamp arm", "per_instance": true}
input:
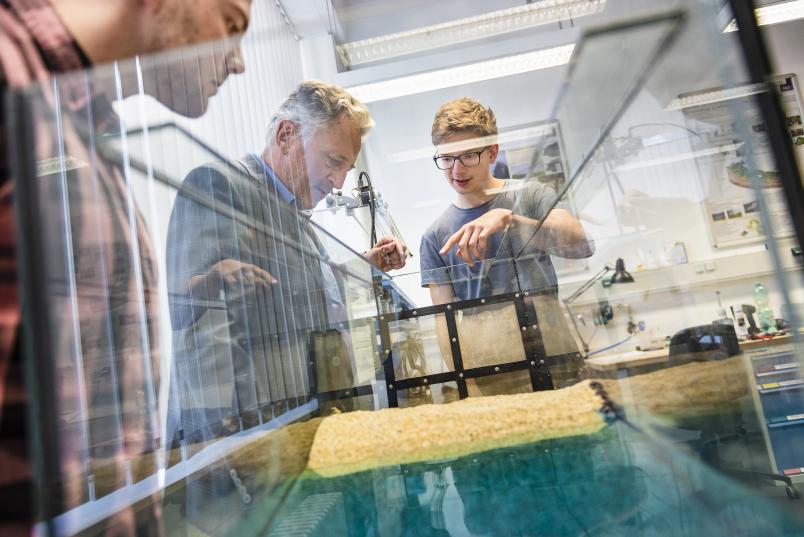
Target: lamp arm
{"points": [[589, 283], [584, 344], [578, 292]]}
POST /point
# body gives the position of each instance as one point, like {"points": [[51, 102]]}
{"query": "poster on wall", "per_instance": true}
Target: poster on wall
{"points": [[730, 204]]}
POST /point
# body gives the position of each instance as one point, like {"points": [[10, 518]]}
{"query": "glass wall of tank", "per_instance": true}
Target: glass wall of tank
{"points": [[176, 409]]}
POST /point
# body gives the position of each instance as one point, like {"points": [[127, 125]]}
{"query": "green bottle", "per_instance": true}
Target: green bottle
{"points": [[765, 317]]}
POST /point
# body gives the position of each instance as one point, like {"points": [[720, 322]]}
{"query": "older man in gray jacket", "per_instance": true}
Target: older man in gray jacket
{"points": [[250, 284], [252, 289]]}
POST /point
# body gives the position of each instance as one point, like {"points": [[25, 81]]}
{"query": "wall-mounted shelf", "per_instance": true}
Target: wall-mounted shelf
{"points": [[679, 279]]}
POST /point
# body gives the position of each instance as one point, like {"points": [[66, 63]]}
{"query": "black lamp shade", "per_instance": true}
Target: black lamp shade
{"points": [[620, 274]]}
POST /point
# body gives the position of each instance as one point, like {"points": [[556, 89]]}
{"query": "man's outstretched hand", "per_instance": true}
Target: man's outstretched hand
{"points": [[472, 238], [230, 272]]}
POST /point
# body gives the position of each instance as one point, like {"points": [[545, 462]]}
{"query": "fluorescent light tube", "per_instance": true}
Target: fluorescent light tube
{"points": [[678, 158], [465, 74], [502, 138], [716, 96], [774, 14], [466, 29]]}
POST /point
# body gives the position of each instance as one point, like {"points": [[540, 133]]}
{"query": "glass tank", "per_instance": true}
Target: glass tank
{"points": [[211, 347]]}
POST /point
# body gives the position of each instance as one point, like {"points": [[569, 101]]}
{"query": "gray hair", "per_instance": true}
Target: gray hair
{"points": [[314, 104]]}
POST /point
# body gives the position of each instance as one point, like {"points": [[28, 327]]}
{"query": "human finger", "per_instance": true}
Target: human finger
{"points": [[244, 272], [394, 259], [264, 275], [451, 241], [482, 242], [472, 249], [463, 244], [401, 248]]}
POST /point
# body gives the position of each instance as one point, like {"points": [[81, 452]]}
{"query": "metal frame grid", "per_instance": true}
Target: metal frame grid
{"points": [[535, 360]]}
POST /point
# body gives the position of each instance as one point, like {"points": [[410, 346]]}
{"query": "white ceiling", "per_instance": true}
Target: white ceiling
{"points": [[352, 20], [349, 20]]}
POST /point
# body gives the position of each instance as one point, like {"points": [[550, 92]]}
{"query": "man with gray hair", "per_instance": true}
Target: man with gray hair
{"points": [[239, 235], [247, 275], [251, 288]]}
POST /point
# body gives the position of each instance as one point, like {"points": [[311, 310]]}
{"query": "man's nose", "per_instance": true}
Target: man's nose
{"points": [[340, 179], [234, 62], [457, 167]]}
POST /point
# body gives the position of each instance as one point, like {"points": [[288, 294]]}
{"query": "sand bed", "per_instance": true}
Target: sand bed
{"points": [[362, 440], [358, 441], [695, 388]]}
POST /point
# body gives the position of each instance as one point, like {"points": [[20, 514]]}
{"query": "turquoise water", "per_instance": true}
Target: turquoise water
{"points": [[617, 482]]}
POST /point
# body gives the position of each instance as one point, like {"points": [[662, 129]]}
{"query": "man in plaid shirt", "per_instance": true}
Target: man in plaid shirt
{"points": [[112, 256]]}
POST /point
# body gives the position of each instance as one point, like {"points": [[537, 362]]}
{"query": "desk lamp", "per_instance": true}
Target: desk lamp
{"points": [[620, 276]]}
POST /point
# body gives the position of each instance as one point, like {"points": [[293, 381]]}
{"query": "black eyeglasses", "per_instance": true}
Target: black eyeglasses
{"points": [[467, 159]]}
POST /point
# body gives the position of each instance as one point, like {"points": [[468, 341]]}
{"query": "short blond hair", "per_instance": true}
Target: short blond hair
{"points": [[463, 115], [315, 104]]}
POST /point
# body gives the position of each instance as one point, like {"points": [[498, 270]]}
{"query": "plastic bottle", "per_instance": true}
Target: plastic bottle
{"points": [[740, 323], [722, 318], [765, 317]]}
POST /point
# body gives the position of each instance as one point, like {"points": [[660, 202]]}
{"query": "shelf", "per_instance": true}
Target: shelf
{"points": [[783, 386], [778, 369], [766, 356], [786, 421], [652, 282]]}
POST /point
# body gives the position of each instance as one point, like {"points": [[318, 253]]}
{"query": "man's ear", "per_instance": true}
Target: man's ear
{"points": [[286, 133], [494, 150]]}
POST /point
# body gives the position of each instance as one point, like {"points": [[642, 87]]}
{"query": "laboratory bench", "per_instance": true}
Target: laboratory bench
{"points": [[761, 388]]}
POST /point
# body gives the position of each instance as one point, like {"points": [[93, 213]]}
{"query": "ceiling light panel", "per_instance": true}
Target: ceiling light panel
{"points": [[466, 29], [774, 14], [464, 74]]}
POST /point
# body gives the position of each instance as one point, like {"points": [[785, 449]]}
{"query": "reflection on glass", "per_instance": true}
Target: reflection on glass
{"points": [[500, 384], [363, 340], [637, 46], [190, 309], [416, 348], [446, 392]]}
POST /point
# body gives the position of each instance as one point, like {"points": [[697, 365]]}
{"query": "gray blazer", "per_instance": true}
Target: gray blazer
{"points": [[246, 352]]}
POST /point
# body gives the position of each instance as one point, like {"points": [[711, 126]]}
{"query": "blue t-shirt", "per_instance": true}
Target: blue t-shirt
{"points": [[499, 274]]}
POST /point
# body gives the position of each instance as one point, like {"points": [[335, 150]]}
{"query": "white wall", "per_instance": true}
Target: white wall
{"points": [[675, 193]]}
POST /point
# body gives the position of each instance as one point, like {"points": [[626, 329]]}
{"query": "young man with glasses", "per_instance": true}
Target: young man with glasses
{"points": [[471, 229], [498, 235]]}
